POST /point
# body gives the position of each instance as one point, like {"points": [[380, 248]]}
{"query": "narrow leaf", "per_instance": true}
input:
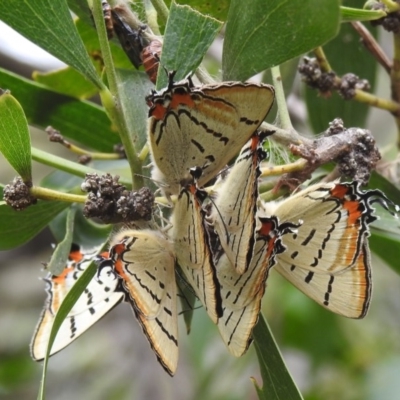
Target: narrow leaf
{"points": [[18, 227], [15, 141], [83, 121], [277, 382], [86, 233], [66, 81], [48, 24], [60, 254], [216, 9], [188, 35], [261, 34], [133, 87]]}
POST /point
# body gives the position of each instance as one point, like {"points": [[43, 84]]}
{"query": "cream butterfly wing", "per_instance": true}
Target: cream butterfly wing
{"points": [[192, 248], [202, 127], [144, 261], [328, 258], [101, 295], [242, 293], [234, 210]]}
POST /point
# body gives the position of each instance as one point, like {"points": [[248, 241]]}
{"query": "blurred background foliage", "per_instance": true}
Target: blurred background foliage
{"points": [[330, 357]]}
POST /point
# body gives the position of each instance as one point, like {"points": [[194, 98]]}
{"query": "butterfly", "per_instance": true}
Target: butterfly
{"points": [[144, 261], [101, 296], [131, 39], [192, 247], [140, 50], [233, 216], [202, 127], [242, 293], [328, 258]]}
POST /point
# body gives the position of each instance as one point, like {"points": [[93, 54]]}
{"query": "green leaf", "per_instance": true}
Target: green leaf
{"points": [[66, 81], [15, 141], [18, 227], [346, 54], [216, 9], [48, 24], [63, 248], [90, 39], [83, 121], [86, 233], [82, 10], [301, 312], [66, 306], [385, 238], [356, 14], [188, 35], [133, 87], [277, 382], [377, 181], [387, 247], [261, 34]]}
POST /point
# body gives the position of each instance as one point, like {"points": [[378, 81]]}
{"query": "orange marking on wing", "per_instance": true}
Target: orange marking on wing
{"points": [[218, 110], [119, 248], [181, 99], [361, 279], [352, 208], [192, 189], [266, 228], [158, 112], [60, 278], [255, 140], [75, 256], [339, 191]]}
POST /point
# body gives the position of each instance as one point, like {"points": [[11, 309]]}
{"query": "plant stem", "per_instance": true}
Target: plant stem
{"points": [[70, 167], [372, 100], [322, 60], [391, 6], [162, 10], [373, 46], [395, 78], [284, 136], [49, 194], [284, 169], [273, 194], [284, 117], [151, 16], [111, 100]]}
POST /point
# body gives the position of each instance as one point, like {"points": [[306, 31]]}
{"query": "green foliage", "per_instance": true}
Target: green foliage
{"points": [[48, 23], [251, 41], [188, 35], [82, 121], [277, 382], [258, 36], [15, 143]]}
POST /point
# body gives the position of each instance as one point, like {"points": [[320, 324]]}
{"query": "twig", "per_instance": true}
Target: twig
{"points": [[373, 46]]}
